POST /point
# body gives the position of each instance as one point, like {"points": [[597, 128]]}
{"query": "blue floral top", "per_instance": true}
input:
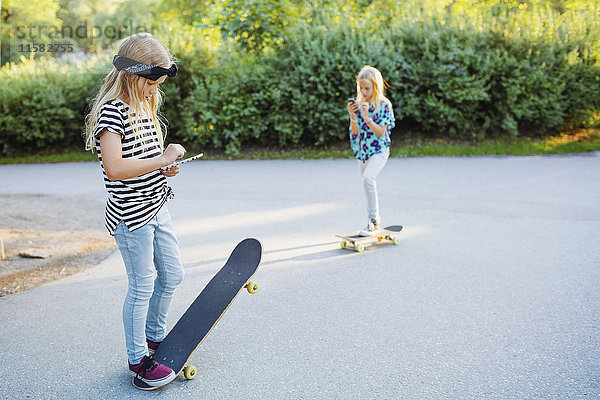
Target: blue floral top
{"points": [[366, 143]]}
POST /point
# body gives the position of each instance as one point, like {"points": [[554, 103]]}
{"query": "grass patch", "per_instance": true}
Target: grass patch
{"points": [[72, 156], [340, 150], [578, 141]]}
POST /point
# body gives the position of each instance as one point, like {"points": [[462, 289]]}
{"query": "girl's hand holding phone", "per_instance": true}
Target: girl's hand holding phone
{"points": [[170, 172], [172, 152], [352, 108]]}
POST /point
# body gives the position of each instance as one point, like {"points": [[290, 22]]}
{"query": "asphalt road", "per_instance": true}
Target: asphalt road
{"points": [[493, 291]]}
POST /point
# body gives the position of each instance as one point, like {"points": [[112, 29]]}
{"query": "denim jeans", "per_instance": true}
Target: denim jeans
{"points": [[153, 247], [368, 173]]}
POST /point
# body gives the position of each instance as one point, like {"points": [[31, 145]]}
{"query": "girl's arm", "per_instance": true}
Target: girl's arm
{"points": [[352, 109], [379, 130], [118, 168], [354, 125]]}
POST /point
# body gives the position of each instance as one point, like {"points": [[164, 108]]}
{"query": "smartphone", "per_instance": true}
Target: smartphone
{"points": [[182, 161], [353, 101]]}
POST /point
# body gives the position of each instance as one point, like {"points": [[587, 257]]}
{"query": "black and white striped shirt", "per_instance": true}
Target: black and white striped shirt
{"points": [[137, 200]]}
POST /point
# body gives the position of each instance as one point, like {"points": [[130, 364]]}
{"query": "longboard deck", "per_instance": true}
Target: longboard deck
{"points": [[356, 241], [208, 308]]}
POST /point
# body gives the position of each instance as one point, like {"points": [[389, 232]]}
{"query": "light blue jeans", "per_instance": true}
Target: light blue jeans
{"points": [[153, 247], [368, 174]]}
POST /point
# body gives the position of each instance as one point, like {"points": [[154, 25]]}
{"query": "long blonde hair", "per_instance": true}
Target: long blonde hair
{"points": [[145, 48], [374, 76]]}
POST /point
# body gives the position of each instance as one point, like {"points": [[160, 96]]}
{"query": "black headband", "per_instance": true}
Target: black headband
{"points": [[152, 72]]}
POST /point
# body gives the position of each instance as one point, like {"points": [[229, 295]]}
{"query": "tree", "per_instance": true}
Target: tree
{"points": [[26, 23]]}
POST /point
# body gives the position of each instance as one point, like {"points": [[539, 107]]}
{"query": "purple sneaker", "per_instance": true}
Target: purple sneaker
{"points": [[153, 373], [152, 346]]}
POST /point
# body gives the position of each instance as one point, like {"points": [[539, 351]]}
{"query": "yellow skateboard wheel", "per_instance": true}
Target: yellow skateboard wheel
{"points": [[379, 239], [396, 241], [252, 287], [360, 247], [189, 372], [343, 244]]}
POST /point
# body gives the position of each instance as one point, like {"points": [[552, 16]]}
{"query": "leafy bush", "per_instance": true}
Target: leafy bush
{"points": [[43, 104], [462, 83], [445, 82]]}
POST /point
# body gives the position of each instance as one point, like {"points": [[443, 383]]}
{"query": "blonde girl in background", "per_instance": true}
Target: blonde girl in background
{"points": [[126, 131], [371, 122]]}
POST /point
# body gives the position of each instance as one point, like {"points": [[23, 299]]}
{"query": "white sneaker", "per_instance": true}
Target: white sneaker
{"points": [[371, 229]]}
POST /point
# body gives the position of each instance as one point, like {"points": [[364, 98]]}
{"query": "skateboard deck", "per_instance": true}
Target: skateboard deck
{"points": [[358, 242], [208, 308]]}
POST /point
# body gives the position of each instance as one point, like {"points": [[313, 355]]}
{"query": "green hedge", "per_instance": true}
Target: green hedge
{"points": [[42, 104], [445, 82], [466, 84]]}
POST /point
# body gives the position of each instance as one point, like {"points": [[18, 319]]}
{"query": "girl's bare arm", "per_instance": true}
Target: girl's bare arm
{"points": [[379, 130], [118, 168]]}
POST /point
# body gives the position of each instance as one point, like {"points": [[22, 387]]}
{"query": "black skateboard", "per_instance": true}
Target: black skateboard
{"points": [[358, 242], [207, 310]]}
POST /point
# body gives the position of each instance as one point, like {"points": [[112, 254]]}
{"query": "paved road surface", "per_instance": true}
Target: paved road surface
{"points": [[493, 292]]}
